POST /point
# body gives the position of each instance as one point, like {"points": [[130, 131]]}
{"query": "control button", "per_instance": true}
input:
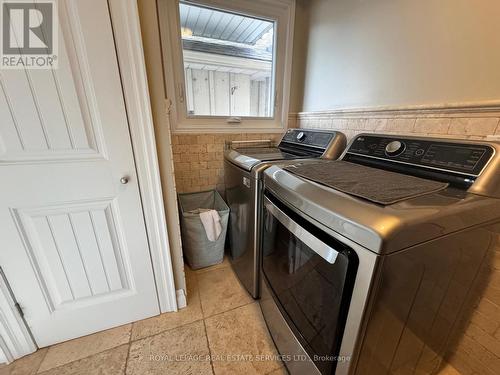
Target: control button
{"points": [[419, 152], [394, 148], [301, 136]]}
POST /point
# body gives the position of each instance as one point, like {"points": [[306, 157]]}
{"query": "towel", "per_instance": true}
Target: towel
{"points": [[211, 222]]}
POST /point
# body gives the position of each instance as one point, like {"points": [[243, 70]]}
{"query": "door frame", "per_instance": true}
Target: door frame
{"points": [[127, 33], [15, 338]]}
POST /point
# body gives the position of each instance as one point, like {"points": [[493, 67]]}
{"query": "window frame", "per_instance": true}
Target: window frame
{"points": [[282, 12]]}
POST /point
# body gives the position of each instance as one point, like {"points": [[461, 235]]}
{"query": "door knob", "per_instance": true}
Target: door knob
{"points": [[124, 180]]}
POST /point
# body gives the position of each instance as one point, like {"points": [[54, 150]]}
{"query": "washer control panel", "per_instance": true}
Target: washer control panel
{"points": [[395, 148], [464, 158], [308, 137]]}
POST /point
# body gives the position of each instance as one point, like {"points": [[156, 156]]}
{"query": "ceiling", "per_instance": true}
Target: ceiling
{"points": [[215, 24]]}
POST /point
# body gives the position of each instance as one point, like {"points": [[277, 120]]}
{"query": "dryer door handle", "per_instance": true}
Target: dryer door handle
{"points": [[319, 247]]}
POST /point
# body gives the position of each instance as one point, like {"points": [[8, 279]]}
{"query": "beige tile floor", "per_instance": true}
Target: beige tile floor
{"points": [[221, 331]]}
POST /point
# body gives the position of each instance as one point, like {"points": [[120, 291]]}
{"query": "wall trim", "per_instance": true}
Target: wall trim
{"points": [[181, 298], [235, 130], [471, 109], [467, 121], [127, 32]]}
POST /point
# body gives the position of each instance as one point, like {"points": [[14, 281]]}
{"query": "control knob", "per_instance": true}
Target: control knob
{"points": [[301, 136], [394, 148]]}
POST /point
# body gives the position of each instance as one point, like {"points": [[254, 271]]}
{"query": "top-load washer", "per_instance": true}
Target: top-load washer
{"points": [[370, 262], [243, 169]]}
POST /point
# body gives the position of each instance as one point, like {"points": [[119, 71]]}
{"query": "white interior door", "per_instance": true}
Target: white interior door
{"points": [[73, 243]]}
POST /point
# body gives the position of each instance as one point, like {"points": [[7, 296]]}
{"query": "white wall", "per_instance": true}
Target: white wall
{"points": [[366, 53]]}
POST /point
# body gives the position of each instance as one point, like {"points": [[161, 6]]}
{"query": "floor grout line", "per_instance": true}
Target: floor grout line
{"points": [[204, 323], [164, 331], [79, 359], [208, 346], [43, 359], [132, 341], [231, 309], [187, 323], [219, 266], [128, 351], [195, 274], [126, 359], [203, 318], [252, 301]]}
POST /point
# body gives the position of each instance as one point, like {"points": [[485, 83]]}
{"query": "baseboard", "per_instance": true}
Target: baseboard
{"points": [[181, 298]]}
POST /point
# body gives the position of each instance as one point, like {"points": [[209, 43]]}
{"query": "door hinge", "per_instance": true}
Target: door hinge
{"points": [[168, 105], [17, 306], [19, 309]]}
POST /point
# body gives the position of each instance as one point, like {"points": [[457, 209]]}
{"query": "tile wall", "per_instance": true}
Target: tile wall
{"points": [[476, 345], [474, 125], [199, 159]]}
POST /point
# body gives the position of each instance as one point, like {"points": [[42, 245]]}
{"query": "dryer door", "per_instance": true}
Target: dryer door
{"points": [[310, 276]]}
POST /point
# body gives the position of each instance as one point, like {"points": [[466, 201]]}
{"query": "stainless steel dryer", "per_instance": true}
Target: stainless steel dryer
{"points": [[369, 262], [243, 169]]}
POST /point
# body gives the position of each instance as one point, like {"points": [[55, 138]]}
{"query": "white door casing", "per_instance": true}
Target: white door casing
{"points": [[131, 59], [15, 339], [74, 244], [159, 109]]}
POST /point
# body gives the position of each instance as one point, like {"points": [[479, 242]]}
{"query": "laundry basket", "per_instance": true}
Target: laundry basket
{"points": [[199, 251]]}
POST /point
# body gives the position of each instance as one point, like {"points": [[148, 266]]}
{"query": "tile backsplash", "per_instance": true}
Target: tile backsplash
{"points": [[438, 123], [199, 159]]}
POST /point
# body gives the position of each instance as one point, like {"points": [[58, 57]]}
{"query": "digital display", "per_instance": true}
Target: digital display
{"points": [[317, 139], [452, 156]]}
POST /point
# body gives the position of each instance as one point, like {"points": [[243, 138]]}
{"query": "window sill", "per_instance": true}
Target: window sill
{"points": [[227, 129]]}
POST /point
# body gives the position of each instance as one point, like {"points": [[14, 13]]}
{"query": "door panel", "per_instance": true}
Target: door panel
{"points": [[75, 251], [74, 245], [48, 113]]}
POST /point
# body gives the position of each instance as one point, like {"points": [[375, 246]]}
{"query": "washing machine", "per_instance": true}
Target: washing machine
{"points": [[243, 167], [370, 262]]}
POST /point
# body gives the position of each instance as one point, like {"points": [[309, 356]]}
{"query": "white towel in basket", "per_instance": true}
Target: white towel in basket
{"points": [[211, 222]]}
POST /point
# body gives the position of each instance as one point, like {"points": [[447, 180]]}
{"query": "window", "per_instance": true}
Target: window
{"points": [[227, 63]]}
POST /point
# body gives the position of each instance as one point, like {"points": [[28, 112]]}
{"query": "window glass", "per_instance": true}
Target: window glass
{"points": [[228, 63]]}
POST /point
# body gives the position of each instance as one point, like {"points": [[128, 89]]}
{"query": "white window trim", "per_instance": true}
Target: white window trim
{"points": [[282, 11]]}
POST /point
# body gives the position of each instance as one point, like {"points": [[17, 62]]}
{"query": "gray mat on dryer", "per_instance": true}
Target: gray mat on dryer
{"points": [[375, 185]]}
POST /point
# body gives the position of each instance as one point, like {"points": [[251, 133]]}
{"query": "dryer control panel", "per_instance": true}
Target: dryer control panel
{"points": [[312, 138], [435, 154]]}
